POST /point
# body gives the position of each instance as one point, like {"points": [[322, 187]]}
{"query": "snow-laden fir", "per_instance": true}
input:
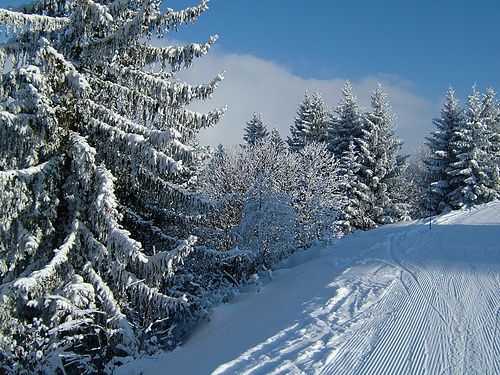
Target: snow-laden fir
{"points": [[98, 159]]}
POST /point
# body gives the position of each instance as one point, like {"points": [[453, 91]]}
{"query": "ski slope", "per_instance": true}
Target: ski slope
{"points": [[402, 299]]}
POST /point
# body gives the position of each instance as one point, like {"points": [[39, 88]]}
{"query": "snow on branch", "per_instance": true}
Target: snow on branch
{"points": [[134, 104], [125, 248], [160, 138], [39, 278], [115, 316], [99, 13], [170, 93], [147, 224], [16, 192], [27, 174], [141, 152], [15, 22], [196, 120], [150, 300], [83, 159], [105, 219], [168, 194], [59, 64], [174, 56], [170, 19], [139, 24]]}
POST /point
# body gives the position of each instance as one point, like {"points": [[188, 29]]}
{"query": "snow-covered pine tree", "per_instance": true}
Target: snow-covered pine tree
{"points": [[382, 166], [255, 131], [346, 124], [97, 153], [276, 140], [490, 115], [469, 175], [349, 143], [442, 154], [357, 204], [310, 123]]}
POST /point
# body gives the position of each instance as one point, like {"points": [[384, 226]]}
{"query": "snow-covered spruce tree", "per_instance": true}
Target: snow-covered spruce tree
{"points": [[310, 123], [276, 140], [346, 124], [382, 166], [357, 204], [470, 181], [442, 154], [255, 131], [97, 152], [348, 142], [491, 117]]}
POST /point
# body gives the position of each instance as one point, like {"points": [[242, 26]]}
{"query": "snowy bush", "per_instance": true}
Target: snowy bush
{"points": [[263, 192], [266, 229]]}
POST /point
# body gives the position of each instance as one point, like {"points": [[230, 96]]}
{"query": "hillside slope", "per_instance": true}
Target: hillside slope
{"points": [[402, 299]]}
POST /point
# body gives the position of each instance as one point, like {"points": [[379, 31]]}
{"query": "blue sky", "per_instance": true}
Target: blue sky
{"points": [[432, 43], [274, 50]]}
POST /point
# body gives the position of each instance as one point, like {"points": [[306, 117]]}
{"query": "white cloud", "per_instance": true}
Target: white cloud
{"points": [[254, 84]]}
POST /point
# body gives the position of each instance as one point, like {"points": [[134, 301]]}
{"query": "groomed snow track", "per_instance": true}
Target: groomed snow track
{"points": [[403, 299]]}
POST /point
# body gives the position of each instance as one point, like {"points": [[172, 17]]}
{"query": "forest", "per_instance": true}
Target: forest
{"points": [[119, 231]]}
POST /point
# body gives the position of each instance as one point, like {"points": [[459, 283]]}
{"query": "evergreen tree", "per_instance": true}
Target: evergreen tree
{"points": [[98, 155], [469, 176], [346, 124], [490, 115], [255, 131], [310, 123], [276, 140], [442, 154], [382, 167], [351, 141], [358, 199]]}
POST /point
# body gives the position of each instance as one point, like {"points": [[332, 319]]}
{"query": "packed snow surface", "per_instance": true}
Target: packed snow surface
{"points": [[402, 299]]}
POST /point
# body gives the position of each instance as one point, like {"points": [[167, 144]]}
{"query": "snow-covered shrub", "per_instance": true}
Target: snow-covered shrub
{"points": [[266, 229], [249, 184], [316, 194]]}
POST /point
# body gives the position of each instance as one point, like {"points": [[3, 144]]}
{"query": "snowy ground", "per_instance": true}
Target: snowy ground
{"points": [[401, 299]]}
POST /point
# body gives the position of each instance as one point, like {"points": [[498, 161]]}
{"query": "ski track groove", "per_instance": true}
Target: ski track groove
{"points": [[392, 327], [464, 286], [433, 308]]}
